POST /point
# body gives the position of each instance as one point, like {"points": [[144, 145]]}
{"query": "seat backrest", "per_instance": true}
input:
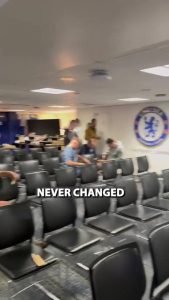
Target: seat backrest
{"points": [[23, 156], [8, 191], [118, 274], [51, 164], [29, 166], [159, 247], [6, 167], [127, 166], [52, 151], [131, 193], [150, 185], [165, 174], [89, 174], [109, 170], [142, 163], [65, 177], [96, 205], [6, 158], [36, 180], [5, 152], [34, 152], [16, 152], [58, 213], [16, 224], [41, 156]]}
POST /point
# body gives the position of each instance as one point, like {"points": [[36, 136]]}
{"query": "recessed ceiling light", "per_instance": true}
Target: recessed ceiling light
{"points": [[67, 78], [159, 70], [58, 106], [132, 99], [52, 91]]}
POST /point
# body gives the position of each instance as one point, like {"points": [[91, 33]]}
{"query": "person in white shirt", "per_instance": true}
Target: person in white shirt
{"points": [[78, 130]]}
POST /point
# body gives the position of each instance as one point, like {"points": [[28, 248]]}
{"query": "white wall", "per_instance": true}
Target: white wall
{"points": [[118, 121]]}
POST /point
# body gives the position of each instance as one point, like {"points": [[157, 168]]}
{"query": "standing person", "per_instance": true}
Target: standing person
{"points": [[88, 125], [78, 130], [14, 177], [77, 127], [69, 132], [114, 151], [91, 131], [70, 155]]}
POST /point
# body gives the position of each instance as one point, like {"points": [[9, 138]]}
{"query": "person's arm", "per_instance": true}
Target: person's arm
{"points": [[12, 175], [4, 203], [102, 160], [71, 163], [68, 159], [84, 159]]}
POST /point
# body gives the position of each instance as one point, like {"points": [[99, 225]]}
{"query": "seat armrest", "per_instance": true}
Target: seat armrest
{"points": [[78, 181], [161, 290], [113, 205]]}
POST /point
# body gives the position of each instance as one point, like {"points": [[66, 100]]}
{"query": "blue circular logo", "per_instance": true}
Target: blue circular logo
{"points": [[151, 126]]}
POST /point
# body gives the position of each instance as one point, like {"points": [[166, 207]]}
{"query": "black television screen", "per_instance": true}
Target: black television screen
{"points": [[50, 127]]}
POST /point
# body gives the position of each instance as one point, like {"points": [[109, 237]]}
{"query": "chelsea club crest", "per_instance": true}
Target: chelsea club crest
{"points": [[151, 126]]}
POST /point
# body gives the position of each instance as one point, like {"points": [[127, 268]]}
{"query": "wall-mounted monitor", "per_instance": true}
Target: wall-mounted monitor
{"points": [[50, 127]]}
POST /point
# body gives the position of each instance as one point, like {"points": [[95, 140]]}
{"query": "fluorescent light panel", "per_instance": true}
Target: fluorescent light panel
{"points": [[13, 110], [52, 91], [159, 70], [68, 79], [133, 99], [58, 106], [56, 111]]}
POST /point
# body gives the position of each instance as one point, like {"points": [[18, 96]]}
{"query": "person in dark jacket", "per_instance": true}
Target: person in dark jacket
{"points": [[89, 147]]}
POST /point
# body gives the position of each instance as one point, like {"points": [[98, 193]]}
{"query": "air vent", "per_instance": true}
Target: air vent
{"points": [[100, 73], [146, 90], [161, 95]]}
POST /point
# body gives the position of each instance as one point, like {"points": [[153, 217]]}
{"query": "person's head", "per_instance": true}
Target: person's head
{"points": [[72, 124], [93, 142], [111, 143], [77, 122], [93, 123], [74, 143]]}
